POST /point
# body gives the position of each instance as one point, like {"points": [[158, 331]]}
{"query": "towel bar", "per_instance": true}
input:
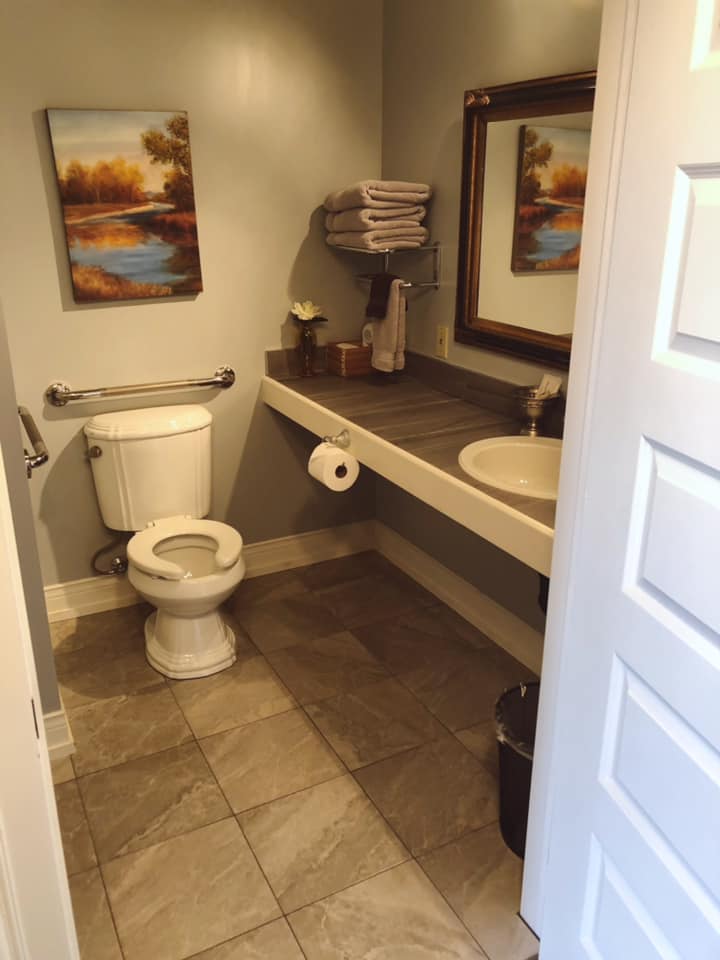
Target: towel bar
{"points": [[59, 393]]}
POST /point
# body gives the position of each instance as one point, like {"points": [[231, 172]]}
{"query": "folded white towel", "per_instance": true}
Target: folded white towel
{"points": [[399, 238], [389, 333], [365, 218], [378, 194]]}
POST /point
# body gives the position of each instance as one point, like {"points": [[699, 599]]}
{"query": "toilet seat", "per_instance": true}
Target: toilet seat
{"points": [[141, 548]]}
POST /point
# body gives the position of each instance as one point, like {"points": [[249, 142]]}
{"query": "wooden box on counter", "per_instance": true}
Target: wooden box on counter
{"points": [[349, 358]]}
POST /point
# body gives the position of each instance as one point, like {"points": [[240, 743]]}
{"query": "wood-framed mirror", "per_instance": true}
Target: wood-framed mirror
{"points": [[525, 149]]}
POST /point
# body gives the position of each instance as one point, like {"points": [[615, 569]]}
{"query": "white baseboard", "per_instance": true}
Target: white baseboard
{"points": [[269, 556], [505, 629], [77, 598], [58, 735]]}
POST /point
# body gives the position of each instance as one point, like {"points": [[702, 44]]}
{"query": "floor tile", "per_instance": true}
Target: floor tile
{"points": [[374, 722], [432, 794], [481, 741], [142, 802], [269, 759], [481, 879], [247, 691], [398, 914], [187, 894], [93, 922], [112, 630], [324, 668], [283, 623], [274, 941], [272, 586], [462, 692], [321, 840], [429, 638], [62, 771], [89, 675], [375, 597], [329, 573], [76, 839], [112, 731]]}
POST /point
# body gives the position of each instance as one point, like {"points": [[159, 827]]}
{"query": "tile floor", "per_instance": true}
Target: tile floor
{"points": [[332, 796]]}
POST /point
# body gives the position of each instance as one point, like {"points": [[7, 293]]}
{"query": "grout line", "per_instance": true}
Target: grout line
{"points": [[245, 933], [293, 793], [349, 886], [247, 842], [452, 908], [344, 770], [98, 866]]}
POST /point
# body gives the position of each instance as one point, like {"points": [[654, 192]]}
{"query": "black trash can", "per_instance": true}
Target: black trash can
{"points": [[515, 721]]}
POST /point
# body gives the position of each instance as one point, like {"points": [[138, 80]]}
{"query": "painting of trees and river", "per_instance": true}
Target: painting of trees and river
{"points": [[550, 202], [125, 181]]}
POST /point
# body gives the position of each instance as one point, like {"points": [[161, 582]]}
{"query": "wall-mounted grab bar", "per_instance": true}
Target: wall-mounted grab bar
{"points": [[40, 453], [60, 393]]}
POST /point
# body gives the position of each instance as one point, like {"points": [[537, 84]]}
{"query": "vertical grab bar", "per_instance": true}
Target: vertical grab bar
{"points": [[40, 453]]}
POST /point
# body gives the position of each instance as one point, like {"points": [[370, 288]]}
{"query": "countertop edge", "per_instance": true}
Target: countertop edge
{"points": [[521, 536]]}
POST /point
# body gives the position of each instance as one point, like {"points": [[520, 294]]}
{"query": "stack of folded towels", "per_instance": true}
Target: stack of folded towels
{"points": [[378, 215]]}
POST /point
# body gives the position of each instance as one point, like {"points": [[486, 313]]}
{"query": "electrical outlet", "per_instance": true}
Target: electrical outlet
{"points": [[441, 342]]}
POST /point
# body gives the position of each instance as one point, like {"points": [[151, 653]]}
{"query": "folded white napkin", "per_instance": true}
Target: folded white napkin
{"points": [[549, 386]]}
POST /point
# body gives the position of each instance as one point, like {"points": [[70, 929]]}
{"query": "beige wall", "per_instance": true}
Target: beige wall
{"points": [[506, 580], [432, 53], [284, 100]]}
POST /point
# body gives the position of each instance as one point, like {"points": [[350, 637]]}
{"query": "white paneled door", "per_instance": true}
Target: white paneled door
{"points": [[633, 869], [35, 913]]}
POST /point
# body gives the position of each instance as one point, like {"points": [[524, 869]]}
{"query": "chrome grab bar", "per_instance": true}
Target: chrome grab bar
{"points": [[59, 393], [40, 453]]}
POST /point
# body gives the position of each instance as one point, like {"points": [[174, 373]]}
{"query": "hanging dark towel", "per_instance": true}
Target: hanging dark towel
{"points": [[379, 293]]}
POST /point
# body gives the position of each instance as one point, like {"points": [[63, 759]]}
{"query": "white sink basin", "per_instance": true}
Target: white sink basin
{"points": [[526, 465]]}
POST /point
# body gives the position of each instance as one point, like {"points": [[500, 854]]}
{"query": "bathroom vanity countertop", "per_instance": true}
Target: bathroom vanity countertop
{"points": [[412, 434]]}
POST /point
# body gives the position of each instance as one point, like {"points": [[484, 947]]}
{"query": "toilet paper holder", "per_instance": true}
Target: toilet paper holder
{"points": [[341, 440]]}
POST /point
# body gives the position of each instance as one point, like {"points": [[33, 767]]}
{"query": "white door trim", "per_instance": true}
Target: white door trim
{"points": [[36, 916], [614, 71]]}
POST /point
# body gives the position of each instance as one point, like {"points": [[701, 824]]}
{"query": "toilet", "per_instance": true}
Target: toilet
{"points": [[152, 473]]}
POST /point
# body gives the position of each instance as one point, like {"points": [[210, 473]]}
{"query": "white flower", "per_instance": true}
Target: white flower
{"points": [[307, 310]]}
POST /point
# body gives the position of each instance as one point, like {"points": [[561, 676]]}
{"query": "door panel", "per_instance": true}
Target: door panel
{"points": [[634, 855]]}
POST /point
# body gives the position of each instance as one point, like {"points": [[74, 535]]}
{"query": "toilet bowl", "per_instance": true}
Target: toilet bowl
{"points": [[186, 568], [152, 474]]}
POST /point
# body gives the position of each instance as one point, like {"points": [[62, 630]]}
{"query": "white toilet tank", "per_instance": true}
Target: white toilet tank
{"points": [[149, 464]]}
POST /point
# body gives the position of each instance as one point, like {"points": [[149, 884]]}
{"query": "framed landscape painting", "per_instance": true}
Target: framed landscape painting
{"points": [[126, 188], [550, 201]]}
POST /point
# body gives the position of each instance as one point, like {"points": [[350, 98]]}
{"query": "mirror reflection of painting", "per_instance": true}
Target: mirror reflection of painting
{"points": [[550, 198], [125, 181]]}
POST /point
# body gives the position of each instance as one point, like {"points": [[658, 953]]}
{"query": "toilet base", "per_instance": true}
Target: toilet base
{"points": [[185, 647]]}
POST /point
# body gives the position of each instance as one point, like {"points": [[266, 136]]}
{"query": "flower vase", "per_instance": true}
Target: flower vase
{"points": [[307, 345]]}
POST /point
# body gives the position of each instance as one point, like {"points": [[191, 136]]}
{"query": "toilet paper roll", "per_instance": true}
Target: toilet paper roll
{"points": [[334, 467]]}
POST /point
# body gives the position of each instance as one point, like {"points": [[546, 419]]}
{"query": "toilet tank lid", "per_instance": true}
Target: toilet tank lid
{"points": [[150, 422]]}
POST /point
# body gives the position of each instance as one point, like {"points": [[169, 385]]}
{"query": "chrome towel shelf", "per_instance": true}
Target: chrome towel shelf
{"points": [[433, 248], [59, 393]]}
